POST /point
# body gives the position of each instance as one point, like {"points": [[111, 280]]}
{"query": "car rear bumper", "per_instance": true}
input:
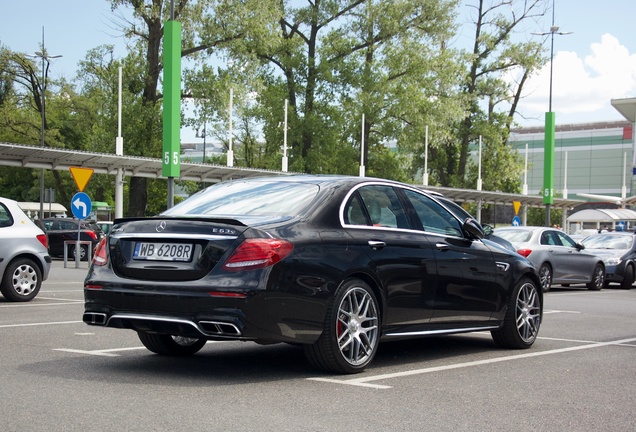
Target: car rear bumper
{"points": [[261, 316]]}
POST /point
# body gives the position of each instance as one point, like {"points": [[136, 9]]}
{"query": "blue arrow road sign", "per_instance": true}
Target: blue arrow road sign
{"points": [[516, 221], [81, 205]]}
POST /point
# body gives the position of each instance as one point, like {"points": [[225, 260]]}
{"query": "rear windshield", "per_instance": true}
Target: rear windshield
{"points": [[514, 236], [248, 198]]}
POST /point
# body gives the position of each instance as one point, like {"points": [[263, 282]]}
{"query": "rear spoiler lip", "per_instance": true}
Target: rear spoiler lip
{"points": [[229, 221]]}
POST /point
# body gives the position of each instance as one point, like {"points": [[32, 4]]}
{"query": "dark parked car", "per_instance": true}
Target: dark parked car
{"points": [[334, 264], [60, 230], [618, 251], [557, 257]]}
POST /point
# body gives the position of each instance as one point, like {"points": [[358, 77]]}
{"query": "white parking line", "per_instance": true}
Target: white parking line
{"points": [[39, 324], [43, 291], [545, 312], [23, 305], [61, 299], [108, 352], [365, 381], [105, 353]]}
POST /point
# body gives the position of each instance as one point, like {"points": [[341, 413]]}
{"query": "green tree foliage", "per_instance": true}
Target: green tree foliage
{"points": [[494, 53], [397, 62]]}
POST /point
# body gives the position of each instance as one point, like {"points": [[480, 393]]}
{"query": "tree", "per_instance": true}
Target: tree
{"points": [[494, 53], [25, 119]]}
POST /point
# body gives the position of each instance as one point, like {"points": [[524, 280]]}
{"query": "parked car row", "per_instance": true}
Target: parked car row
{"points": [[334, 264], [26, 247], [558, 258]]}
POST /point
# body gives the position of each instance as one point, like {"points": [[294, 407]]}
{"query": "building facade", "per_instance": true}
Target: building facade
{"points": [[592, 158]]}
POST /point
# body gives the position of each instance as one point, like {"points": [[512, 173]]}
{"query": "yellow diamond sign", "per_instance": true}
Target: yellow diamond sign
{"points": [[517, 206], [81, 176]]}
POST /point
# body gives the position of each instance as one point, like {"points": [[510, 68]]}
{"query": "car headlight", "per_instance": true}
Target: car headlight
{"points": [[612, 261]]}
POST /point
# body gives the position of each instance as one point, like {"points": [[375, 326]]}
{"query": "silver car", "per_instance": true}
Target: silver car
{"points": [[24, 258], [557, 257]]}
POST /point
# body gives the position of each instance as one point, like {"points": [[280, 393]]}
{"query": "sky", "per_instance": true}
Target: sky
{"points": [[593, 65]]}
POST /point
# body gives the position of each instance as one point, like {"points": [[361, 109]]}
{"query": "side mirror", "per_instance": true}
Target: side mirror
{"points": [[472, 227]]}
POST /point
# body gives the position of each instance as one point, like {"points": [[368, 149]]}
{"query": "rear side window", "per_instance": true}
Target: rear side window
{"points": [[550, 238], [375, 205], [6, 220]]}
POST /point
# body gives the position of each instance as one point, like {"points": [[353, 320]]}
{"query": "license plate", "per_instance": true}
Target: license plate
{"points": [[162, 251]]}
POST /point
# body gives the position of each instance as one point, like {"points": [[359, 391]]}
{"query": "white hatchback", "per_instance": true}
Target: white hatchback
{"points": [[24, 258]]}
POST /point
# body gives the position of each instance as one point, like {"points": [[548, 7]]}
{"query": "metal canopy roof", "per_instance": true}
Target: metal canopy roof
{"points": [[27, 156], [627, 107], [486, 197], [603, 215]]}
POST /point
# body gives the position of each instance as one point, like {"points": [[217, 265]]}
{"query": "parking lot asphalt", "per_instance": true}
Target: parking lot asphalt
{"points": [[59, 374]]}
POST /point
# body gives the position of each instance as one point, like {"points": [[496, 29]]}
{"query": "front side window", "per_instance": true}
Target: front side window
{"points": [[434, 217], [565, 240]]}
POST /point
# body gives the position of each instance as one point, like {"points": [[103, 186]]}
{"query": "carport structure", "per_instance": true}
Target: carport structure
{"points": [[605, 217], [503, 198], [28, 156]]}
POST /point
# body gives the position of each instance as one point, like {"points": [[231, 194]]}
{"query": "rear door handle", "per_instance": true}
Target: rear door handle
{"points": [[376, 244]]}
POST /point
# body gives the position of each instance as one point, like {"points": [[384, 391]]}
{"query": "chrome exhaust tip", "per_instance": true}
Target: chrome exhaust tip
{"points": [[94, 318]]}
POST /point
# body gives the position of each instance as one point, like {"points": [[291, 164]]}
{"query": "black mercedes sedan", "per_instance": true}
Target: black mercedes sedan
{"points": [[333, 264]]}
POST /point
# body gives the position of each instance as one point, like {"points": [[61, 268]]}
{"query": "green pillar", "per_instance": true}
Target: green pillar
{"points": [[171, 164], [548, 165]]}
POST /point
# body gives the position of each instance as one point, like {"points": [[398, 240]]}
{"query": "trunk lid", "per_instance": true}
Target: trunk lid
{"points": [[170, 249]]}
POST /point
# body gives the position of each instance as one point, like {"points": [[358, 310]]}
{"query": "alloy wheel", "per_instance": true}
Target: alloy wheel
{"points": [[357, 326], [528, 312]]}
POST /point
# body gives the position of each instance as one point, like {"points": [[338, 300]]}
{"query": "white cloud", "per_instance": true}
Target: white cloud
{"points": [[582, 88]]}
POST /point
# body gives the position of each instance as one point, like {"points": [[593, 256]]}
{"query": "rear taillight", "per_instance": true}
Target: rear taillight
{"points": [[257, 253], [100, 257], [524, 252], [93, 234], [43, 239]]}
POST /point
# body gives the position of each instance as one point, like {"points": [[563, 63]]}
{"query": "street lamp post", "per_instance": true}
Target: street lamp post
{"points": [[45, 68], [549, 132]]}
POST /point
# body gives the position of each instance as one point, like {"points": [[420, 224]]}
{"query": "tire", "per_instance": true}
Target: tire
{"points": [[628, 278], [523, 317], [171, 345], [22, 280], [351, 332], [83, 252], [545, 275], [598, 278]]}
